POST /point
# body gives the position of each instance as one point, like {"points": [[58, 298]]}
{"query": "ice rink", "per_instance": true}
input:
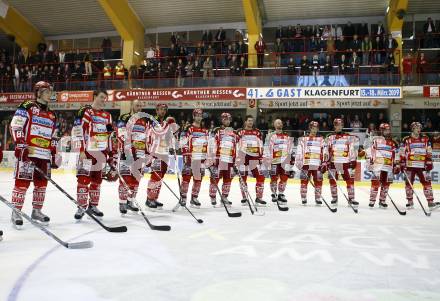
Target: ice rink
{"points": [[305, 254]]}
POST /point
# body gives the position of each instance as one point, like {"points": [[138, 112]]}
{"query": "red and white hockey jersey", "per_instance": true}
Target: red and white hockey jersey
{"points": [[415, 152], [278, 148], [194, 143], [161, 136], [382, 154], [132, 135], [90, 130], [310, 152], [35, 127], [341, 148], [223, 145], [250, 142]]}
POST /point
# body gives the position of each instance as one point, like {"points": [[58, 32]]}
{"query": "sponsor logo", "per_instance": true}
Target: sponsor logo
{"points": [[41, 142], [42, 121], [176, 95], [99, 119]]}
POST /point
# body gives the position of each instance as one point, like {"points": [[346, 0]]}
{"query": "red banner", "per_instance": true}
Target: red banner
{"points": [[431, 91], [75, 96], [16, 97], [179, 94]]}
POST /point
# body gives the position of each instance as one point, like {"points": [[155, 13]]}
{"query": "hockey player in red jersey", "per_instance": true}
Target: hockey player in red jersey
{"points": [[342, 160], [194, 145], [249, 158], [416, 160], [132, 148], [222, 151], [33, 129], [383, 161], [278, 153], [91, 137], [311, 157], [160, 142]]}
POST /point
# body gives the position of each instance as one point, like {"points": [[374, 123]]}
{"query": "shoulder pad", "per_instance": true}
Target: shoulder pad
{"points": [[405, 138], [27, 104], [82, 110], [124, 117]]}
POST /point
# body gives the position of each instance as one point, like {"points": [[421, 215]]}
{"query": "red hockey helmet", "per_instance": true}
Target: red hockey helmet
{"points": [[338, 121], [197, 112], [226, 116], [41, 85], [415, 124], [384, 126], [313, 124]]}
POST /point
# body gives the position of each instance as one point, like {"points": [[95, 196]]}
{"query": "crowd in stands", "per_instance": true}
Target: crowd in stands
{"points": [[301, 50]]}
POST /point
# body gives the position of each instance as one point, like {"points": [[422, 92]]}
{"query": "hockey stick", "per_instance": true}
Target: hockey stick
{"points": [[343, 193], [249, 199], [395, 206], [200, 221], [69, 245], [334, 210], [230, 214], [152, 227], [109, 229], [427, 213]]}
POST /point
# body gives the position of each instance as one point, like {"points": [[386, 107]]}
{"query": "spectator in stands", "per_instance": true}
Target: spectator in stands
{"points": [[207, 37], [366, 48], [390, 66], [331, 48], [326, 33], [381, 119], [380, 30], [391, 44], [422, 68], [22, 79], [242, 50], [354, 65], [315, 68], [339, 32], [407, 64], [291, 67], [378, 48], [172, 53], [260, 47], [120, 71], [107, 48], [343, 65], [298, 42], [61, 56], [170, 70], [220, 38], [356, 124], [278, 48], [196, 69], [429, 30], [180, 73], [150, 53], [207, 68], [305, 66], [78, 56], [341, 47], [88, 63], [355, 45]]}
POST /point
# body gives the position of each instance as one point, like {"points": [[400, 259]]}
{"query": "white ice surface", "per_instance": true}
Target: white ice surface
{"points": [[305, 254]]}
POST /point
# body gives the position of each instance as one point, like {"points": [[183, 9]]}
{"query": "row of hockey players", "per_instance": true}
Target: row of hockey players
{"points": [[142, 140]]}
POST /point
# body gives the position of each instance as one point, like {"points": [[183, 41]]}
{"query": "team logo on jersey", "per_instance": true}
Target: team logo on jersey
{"points": [[21, 112], [138, 128]]}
